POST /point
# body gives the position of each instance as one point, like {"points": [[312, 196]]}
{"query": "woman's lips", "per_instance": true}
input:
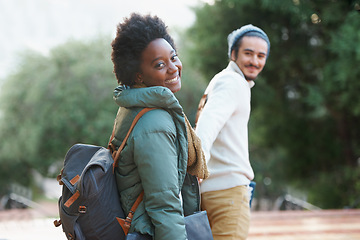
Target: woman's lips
{"points": [[172, 80]]}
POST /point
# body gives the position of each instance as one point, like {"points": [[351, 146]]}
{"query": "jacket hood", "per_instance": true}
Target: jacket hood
{"points": [[160, 97]]}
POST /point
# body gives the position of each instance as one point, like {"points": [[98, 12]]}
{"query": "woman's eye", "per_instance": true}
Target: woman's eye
{"points": [[174, 57], [160, 65]]}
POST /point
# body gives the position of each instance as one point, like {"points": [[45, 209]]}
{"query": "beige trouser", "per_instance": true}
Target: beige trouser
{"points": [[229, 212]]}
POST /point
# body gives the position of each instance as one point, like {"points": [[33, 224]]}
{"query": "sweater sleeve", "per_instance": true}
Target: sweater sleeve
{"points": [[224, 97], [155, 155]]}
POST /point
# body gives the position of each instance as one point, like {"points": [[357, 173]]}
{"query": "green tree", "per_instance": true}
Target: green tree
{"points": [[53, 102], [193, 83], [305, 103]]}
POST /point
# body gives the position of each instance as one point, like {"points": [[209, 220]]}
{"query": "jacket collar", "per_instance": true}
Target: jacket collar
{"points": [[158, 97], [234, 67]]}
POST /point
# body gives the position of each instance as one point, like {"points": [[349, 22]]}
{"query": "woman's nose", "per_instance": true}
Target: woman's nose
{"points": [[172, 67]]}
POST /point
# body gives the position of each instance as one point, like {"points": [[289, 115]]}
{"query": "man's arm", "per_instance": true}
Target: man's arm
{"points": [[222, 102]]}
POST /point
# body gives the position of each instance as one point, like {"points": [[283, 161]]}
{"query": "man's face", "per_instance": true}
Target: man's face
{"points": [[251, 57]]}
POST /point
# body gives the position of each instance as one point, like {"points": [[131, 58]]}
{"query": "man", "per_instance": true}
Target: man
{"points": [[223, 129]]}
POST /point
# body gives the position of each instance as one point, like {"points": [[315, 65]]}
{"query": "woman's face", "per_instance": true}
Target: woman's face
{"points": [[160, 66]]}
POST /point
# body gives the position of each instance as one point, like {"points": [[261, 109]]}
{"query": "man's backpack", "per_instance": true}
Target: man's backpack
{"points": [[89, 207]]}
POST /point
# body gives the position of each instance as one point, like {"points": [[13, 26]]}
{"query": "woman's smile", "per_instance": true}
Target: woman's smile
{"points": [[172, 80]]}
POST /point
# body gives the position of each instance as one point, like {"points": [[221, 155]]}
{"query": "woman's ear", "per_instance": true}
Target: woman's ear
{"points": [[138, 78]]}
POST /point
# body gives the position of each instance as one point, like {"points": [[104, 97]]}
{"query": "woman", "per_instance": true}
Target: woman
{"points": [[155, 159]]}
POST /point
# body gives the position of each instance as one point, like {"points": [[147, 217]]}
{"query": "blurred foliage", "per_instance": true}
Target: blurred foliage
{"points": [[305, 104], [53, 102], [338, 187], [193, 83]]}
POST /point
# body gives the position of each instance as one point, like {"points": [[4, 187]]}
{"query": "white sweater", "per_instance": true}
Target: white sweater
{"points": [[223, 130]]}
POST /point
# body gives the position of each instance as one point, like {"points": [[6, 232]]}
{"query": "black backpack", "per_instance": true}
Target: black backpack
{"points": [[89, 207]]}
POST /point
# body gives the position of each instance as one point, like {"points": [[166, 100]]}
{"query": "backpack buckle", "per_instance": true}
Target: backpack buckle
{"points": [[82, 209]]}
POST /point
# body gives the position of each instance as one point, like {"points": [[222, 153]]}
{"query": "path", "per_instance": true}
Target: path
{"points": [[24, 224], [306, 225]]}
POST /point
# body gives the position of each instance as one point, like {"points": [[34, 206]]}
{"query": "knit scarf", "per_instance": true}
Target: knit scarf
{"points": [[196, 159]]}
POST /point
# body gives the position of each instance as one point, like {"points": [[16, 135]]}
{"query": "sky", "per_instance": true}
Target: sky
{"points": [[42, 24]]}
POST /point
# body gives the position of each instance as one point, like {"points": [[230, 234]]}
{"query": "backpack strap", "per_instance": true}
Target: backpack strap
{"points": [[201, 106], [116, 153], [126, 223]]}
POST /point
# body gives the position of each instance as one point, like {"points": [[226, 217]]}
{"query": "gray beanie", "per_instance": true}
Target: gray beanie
{"points": [[234, 37]]}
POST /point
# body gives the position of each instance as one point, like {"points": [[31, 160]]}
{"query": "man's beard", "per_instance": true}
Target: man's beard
{"points": [[248, 78]]}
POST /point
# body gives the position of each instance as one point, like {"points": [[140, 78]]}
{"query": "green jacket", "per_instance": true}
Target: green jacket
{"points": [[154, 160]]}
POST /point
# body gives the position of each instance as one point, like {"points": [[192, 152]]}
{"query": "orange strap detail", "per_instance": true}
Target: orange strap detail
{"points": [[72, 199], [75, 179], [126, 223], [57, 223]]}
